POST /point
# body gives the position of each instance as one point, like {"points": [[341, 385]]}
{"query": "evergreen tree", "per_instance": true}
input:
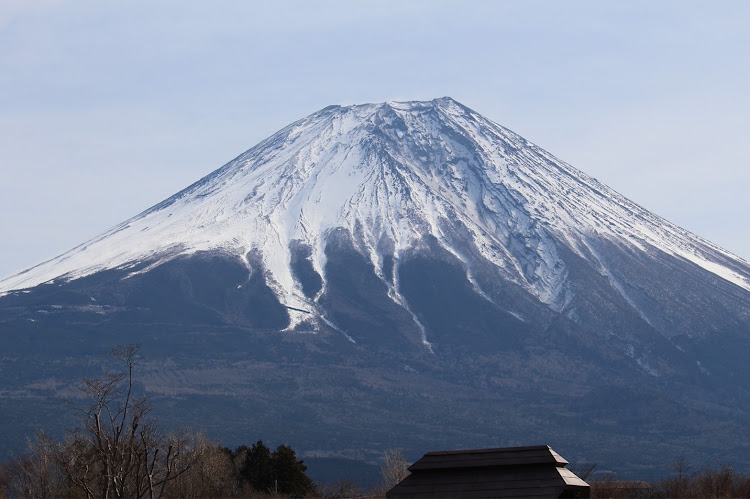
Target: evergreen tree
{"points": [[257, 469], [289, 473]]}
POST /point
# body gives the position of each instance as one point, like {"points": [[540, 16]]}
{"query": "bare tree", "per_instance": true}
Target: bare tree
{"points": [[213, 473], [680, 483], [120, 452], [36, 474], [341, 489], [583, 470], [394, 469]]}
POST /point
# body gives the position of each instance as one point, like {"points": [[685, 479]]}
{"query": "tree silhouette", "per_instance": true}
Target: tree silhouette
{"points": [[289, 473], [278, 471], [255, 468]]}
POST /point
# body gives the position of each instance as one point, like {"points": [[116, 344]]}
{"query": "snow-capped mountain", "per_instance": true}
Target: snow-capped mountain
{"points": [[392, 174], [410, 273]]}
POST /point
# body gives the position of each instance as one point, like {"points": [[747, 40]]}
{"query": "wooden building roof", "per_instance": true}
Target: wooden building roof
{"points": [[536, 471]]}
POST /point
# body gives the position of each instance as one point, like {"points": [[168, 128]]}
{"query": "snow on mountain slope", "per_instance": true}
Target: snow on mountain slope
{"points": [[392, 174]]}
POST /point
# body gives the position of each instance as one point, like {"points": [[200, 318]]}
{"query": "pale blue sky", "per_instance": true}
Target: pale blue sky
{"points": [[108, 107]]}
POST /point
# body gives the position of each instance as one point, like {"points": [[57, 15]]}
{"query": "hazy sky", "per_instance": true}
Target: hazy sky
{"points": [[106, 108]]}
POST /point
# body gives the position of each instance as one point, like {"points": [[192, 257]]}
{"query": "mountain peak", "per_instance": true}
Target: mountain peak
{"points": [[393, 176], [437, 103]]}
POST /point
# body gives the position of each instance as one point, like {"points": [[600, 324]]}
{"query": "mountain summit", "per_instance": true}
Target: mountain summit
{"points": [[391, 176], [418, 238]]}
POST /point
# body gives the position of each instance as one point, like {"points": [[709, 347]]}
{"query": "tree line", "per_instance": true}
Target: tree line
{"points": [[684, 482]]}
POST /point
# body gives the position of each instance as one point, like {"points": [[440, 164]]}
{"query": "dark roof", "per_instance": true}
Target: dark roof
{"points": [[535, 471], [504, 456]]}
